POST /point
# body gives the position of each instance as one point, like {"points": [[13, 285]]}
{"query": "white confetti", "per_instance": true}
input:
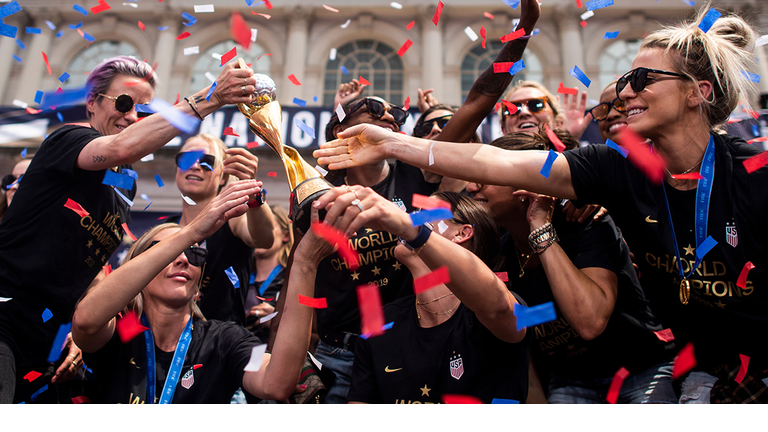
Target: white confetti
{"points": [[470, 33], [125, 198], [192, 50], [587, 14], [332, 56], [254, 34], [145, 197], [762, 40], [315, 361], [340, 113], [442, 226], [346, 24], [210, 76], [267, 318], [203, 8], [217, 56], [396, 5], [148, 158], [5, 299], [321, 170], [188, 200], [20, 104], [257, 354], [431, 156], [133, 5]]}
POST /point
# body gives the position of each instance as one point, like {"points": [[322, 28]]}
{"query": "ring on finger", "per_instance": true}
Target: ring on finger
{"points": [[243, 89], [356, 203], [245, 81]]}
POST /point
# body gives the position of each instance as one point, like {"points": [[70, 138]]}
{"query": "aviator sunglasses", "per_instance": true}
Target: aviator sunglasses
{"points": [[206, 161], [423, 129], [534, 106], [124, 104], [600, 112], [377, 109], [638, 79], [196, 255]]}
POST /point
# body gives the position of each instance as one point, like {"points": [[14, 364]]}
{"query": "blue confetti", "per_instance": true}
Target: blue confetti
{"points": [[314, 99], [755, 78], [80, 9], [232, 277], [512, 3], [64, 77], [535, 315], [88, 37], [10, 9], [598, 4], [249, 2], [51, 25], [130, 172], [624, 152], [37, 393], [690, 2], [188, 159], [142, 108], [8, 30], [33, 30], [504, 401], [535, 32], [300, 102], [517, 67], [24, 153], [76, 26], [125, 198], [755, 131], [303, 126], [579, 75], [64, 97], [162, 28], [344, 70], [60, 34], [210, 92], [206, 165], [17, 58], [38, 96], [150, 203], [123, 181], [20, 44], [385, 327], [160, 180], [192, 20], [176, 118], [548, 164], [705, 247], [610, 35], [709, 19], [47, 314], [421, 217], [60, 117]]}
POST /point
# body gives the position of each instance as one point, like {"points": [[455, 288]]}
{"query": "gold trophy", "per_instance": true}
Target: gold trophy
{"points": [[264, 118]]}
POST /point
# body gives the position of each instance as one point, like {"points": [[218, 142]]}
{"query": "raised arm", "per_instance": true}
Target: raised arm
{"points": [[254, 228]]}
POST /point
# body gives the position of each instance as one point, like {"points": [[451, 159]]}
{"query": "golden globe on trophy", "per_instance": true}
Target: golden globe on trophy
{"points": [[264, 118]]}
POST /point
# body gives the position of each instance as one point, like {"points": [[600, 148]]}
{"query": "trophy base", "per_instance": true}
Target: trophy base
{"points": [[301, 201]]}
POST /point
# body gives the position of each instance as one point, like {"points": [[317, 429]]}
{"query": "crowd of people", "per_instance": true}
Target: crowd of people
{"points": [[643, 275]]}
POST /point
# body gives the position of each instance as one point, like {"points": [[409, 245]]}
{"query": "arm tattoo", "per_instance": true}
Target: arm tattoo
{"points": [[99, 159], [494, 84], [199, 99]]}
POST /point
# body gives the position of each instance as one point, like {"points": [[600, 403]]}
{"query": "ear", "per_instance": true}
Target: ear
{"points": [[464, 233], [704, 93], [286, 237], [90, 103], [337, 129]]}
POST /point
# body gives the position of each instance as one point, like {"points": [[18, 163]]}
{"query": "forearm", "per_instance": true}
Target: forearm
{"points": [[260, 222], [280, 306]]}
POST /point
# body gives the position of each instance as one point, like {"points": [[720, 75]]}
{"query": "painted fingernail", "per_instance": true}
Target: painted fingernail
{"points": [[316, 204], [303, 386]]}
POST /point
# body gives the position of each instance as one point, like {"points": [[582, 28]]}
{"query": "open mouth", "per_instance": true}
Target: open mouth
{"points": [[617, 126], [635, 111], [193, 177], [528, 125]]}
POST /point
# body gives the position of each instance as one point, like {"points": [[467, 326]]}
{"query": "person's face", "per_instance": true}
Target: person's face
{"points": [[362, 116], [197, 182], [526, 121], [436, 129], [280, 237], [17, 172], [498, 200], [108, 120], [616, 121], [176, 284]]}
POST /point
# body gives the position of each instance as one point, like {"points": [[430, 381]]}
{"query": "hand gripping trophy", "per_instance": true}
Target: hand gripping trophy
{"points": [[264, 118]]}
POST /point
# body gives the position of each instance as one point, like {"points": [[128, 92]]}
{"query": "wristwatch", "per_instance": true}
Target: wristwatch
{"points": [[260, 199], [416, 244]]}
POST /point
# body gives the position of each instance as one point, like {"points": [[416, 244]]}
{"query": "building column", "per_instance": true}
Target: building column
{"points": [[165, 52], [432, 51], [295, 55], [568, 19], [33, 68]]}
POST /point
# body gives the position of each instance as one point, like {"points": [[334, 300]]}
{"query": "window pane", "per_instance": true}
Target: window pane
{"points": [[370, 59], [86, 60]]}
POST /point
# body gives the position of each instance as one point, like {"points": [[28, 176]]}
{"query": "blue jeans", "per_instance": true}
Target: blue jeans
{"points": [[339, 361], [653, 385], [697, 387]]}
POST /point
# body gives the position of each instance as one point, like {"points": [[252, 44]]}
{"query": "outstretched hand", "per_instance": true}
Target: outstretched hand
{"points": [[360, 145], [426, 99], [234, 85], [575, 120], [230, 203], [348, 92]]}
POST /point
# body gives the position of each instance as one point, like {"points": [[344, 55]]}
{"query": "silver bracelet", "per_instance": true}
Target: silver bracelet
{"points": [[542, 238]]}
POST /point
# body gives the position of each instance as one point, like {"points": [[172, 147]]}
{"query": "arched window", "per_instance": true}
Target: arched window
{"points": [[616, 60], [478, 60], [374, 61], [86, 60], [210, 60]]}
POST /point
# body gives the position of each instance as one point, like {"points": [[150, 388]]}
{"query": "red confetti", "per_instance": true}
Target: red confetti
{"points": [[559, 146], [483, 34], [583, 23], [407, 103], [101, 7], [331, 9], [127, 231], [264, 15], [615, 388], [239, 30], [752, 113], [183, 35], [107, 269], [514, 35], [229, 131], [32, 375], [567, 90], [689, 176], [80, 400], [438, 12], [229, 56], [162, 217], [503, 276], [502, 67], [141, 26], [426, 282], [742, 280], [267, 4], [178, 95], [257, 58], [497, 106], [316, 303], [364, 81], [488, 15], [197, 366], [756, 162], [686, 360], [761, 139], [640, 155], [410, 25], [45, 59], [427, 203], [743, 370], [253, 144], [128, 327], [371, 312], [272, 174], [265, 299], [75, 207], [460, 399], [578, 3], [665, 335], [512, 108], [31, 110], [338, 240], [293, 79], [404, 48]]}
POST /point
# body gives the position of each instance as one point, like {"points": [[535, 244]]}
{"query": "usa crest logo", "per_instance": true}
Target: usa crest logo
{"points": [[457, 367], [731, 235], [188, 379]]}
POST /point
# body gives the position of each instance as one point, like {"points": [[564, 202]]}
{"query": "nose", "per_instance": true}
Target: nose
{"points": [[627, 92], [131, 117], [181, 260], [472, 188]]}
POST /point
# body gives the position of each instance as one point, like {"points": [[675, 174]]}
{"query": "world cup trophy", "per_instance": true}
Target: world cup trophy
{"points": [[264, 119]]}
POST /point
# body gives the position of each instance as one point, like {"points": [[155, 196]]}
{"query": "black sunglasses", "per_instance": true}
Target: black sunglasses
{"points": [[206, 161], [600, 112], [638, 79], [196, 255], [9, 180], [377, 109], [124, 104], [535, 106], [423, 129]]}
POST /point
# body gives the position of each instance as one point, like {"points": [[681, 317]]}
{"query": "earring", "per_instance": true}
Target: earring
{"points": [[522, 200]]}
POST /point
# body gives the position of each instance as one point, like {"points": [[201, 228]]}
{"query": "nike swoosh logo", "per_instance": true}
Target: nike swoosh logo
{"points": [[649, 220], [387, 369]]}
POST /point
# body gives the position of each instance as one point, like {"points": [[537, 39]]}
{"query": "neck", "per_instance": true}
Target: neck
{"points": [[519, 232], [190, 212], [426, 312], [167, 323], [264, 266], [683, 148], [368, 175]]}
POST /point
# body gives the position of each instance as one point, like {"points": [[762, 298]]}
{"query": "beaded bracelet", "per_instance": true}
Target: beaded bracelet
{"points": [[545, 233]]}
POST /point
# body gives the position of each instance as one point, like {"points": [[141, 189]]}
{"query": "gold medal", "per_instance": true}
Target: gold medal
{"points": [[685, 291]]}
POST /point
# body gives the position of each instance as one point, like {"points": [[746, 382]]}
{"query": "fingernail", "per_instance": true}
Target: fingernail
{"points": [[316, 204], [303, 386]]}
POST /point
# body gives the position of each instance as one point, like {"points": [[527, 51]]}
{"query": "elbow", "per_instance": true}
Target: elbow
{"points": [[82, 326], [592, 329], [280, 393]]}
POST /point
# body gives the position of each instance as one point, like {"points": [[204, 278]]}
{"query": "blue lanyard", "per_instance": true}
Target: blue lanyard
{"points": [[703, 193], [175, 370], [269, 279]]}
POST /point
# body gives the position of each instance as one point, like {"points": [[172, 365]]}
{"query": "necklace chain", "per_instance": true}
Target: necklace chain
{"points": [[688, 170], [418, 315], [522, 265], [433, 300]]}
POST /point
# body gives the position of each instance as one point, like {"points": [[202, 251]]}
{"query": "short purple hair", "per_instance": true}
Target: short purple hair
{"points": [[100, 79]]}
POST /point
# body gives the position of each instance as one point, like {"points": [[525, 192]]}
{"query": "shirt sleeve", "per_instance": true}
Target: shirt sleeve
{"points": [[236, 346], [595, 173], [363, 388], [63, 147], [597, 245]]}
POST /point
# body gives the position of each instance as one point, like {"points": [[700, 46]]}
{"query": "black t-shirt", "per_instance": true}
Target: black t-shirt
{"points": [[337, 283], [216, 358], [271, 292], [628, 339], [50, 254], [410, 364], [720, 318]]}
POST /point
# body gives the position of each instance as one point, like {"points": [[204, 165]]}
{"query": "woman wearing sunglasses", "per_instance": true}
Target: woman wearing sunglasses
{"points": [[229, 248], [182, 358], [610, 114], [684, 83], [63, 201]]}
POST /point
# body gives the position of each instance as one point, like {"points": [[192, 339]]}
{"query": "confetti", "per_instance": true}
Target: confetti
{"points": [[545, 170], [20, 104], [346, 24], [32, 30], [503, 276], [385, 327], [665, 335], [340, 113], [5, 299], [610, 35], [17, 58], [504, 401], [188, 200], [8, 31], [176, 118], [240, 31], [502, 67], [88, 37], [762, 40], [160, 180], [107, 269], [579, 75], [431, 280], [145, 208], [371, 311], [60, 117], [80, 400], [229, 55], [615, 388], [10, 9], [513, 35], [331, 9], [292, 78], [268, 317], [512, 3], [24, 153], [232, 277], [470, 33], [304, 127], [462, 399], [686, 360], [488, 15], [598, 4], [268, 4], [404, 48], [162, 28], [743, 370], [300, 102], [396, 5], [332, 54], [262, 14], [45, 59], [128, 231], [742, 280], [254, 34], [64, 77], [76, 26], [431, 156], [441, 227], [407, 103], [271, 174], [204, 8], [624, 152], [128, 327], [410, 25], [337, 239], [578, 4], [483, 35], [316, 303], [425, 202], [192, 50], [321, 170], [101, 7], [755, 78], [257, 356], [142, 27], [689, 176], [535, 315], [228, 131], [364, 81], [42, 389], [559, 146], [424, 216], [58, 342], [80, 9], [75, 207], [117, 180], [344, 70], [640, 154], [705, 247], [133, 5], [517, 67], [32, 375], [709, 19], [183, 36], [438, 12], [690, 2]]}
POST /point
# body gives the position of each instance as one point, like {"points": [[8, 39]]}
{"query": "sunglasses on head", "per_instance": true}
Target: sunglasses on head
{"points": [[9, 180], [124, 104], [600, 111], [638, 79], [196, 255], [534, 106], [377, 109], [423, 129], [206, 161]]}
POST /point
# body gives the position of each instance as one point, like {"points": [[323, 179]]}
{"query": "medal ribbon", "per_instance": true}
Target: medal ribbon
{"points": [[269, 279], [178, 361]]}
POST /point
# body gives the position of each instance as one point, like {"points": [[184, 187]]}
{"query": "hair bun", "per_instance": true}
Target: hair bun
{"points": [[733, 29]]}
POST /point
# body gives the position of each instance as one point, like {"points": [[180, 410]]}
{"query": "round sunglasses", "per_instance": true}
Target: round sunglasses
{"points": [[206, 161], [196, 255], [600, 112], [124, 104], [638, 79], [377, 109], [423, 129], [534, 106]]}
